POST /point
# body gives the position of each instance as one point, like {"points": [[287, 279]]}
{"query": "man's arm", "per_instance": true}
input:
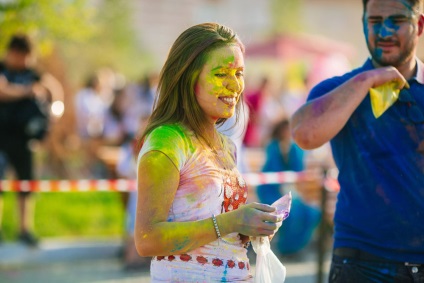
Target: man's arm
{"points": [[12, 92], [320, 119]]}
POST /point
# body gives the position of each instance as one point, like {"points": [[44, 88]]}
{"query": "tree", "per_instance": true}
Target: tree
{"points": [[87, 34], [47, 21], [113, 43]]}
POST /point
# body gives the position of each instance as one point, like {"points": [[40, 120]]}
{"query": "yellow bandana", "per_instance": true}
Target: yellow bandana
{"points": [[383, 96]]}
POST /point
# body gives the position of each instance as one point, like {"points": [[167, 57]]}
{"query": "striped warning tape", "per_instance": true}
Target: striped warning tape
{"points": [[119, 185], [255, 179], [125, 185]]}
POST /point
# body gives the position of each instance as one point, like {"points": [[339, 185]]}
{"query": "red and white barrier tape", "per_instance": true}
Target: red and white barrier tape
{"points": [[120, 185], [255, 179], [124, 185]]}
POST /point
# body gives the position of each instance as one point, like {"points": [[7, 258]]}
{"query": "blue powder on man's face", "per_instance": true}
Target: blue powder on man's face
{"points": [[385, 29], [378, 52]]}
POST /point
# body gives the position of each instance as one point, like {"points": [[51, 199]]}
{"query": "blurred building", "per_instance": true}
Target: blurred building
{"points": [[159, 22]]}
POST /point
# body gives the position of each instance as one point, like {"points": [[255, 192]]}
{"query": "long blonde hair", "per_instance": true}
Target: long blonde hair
{"points": [[176, 101]]}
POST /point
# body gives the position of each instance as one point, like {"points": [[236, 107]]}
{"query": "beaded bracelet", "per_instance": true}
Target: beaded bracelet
{"points": [[215, 224]]}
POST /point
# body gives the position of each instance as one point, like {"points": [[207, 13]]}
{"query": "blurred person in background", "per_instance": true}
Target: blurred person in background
{"points": [[114, 132], [291, 97], [24, 111], [255, 100], [187, 170], [139, 103], [282, 154], [91, 106], [126, 169], [379, 214], [139, 106]]}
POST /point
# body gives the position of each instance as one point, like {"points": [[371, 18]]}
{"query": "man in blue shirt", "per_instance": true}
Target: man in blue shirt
{"points": [[379, 219]]}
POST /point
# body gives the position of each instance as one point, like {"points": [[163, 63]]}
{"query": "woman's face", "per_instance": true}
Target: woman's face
{"points": [[221, 82]]}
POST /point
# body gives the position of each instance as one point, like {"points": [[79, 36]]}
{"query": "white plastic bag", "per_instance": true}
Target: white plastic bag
{"points": [[269, 269]]}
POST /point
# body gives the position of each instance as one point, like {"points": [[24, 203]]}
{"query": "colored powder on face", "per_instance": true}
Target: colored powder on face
{"points": [[216, 81], [386, 28], [229, 61], [378, 53]]}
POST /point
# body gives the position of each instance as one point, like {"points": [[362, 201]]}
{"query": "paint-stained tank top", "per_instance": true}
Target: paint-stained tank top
{"points": [[204, 189]]}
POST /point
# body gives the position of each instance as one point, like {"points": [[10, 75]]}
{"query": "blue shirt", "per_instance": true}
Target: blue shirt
{"points": [[299, 227], [380, 206], [276, 162]]}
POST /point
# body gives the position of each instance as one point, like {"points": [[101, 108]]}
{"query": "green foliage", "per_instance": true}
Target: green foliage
{"points": [[114, 44], [47, 21], [69, 214], [9, 222], [88, 34]]}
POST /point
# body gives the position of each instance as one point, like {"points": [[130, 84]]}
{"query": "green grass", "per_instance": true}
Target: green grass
{"points": [[68, 214]]}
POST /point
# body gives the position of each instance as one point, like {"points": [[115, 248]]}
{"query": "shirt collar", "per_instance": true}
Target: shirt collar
{"points": [[368, 64], [419, 74]]}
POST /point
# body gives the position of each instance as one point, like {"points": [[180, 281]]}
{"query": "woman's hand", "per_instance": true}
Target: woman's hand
{"points": [[254, 219]]}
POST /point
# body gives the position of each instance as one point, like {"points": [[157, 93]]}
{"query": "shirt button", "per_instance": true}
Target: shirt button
{"points": [[414, 269]]}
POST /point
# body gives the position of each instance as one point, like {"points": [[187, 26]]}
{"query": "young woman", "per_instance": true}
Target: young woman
{"points": [[191, 215]]}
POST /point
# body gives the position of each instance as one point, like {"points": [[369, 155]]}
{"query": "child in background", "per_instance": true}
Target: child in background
{"points": [[284, 155]]}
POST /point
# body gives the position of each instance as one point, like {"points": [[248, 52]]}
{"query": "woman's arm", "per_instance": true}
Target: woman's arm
{"points": [[157, 184]]}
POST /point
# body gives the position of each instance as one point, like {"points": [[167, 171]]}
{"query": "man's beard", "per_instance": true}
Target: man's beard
{"points": [[394, 60]]}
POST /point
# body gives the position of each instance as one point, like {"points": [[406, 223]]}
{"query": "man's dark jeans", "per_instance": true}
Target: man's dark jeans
{"points": [[349, 270]]}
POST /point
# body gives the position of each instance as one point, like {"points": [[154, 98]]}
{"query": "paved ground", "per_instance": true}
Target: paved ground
{"points": [[97, 260]]}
